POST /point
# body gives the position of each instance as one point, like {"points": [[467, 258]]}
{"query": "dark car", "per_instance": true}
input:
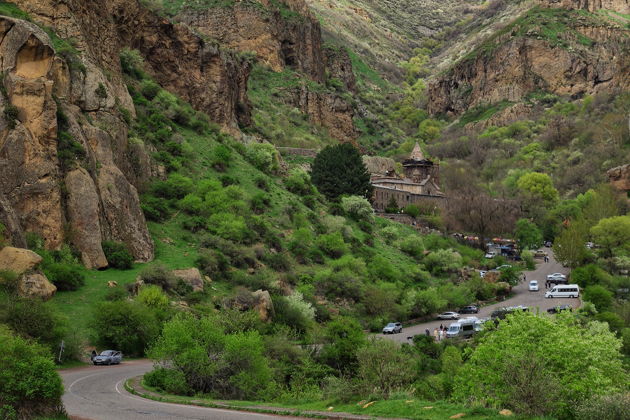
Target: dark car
{"points": [[392, 328], [559, 308], [501, 313], [108, 357], [470, 309]]}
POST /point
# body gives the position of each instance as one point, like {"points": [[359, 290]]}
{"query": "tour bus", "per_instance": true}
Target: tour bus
{"points": [[564, 291], [464, 328]]}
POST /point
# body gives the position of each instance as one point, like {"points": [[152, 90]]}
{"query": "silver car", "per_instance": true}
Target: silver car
{"points": [[448, 315], [392, 328], [108, 357], [556, 277]]}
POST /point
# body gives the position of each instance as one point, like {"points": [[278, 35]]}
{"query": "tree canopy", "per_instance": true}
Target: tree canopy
{"points": [[339, 170], [539, 365]]}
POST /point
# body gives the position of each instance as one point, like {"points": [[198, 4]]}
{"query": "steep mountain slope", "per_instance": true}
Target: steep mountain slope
{"points": [[384, 33], [565, 52]]}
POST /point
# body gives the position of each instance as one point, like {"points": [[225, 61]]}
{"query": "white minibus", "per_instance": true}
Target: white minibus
{"points": [[564, 291]]}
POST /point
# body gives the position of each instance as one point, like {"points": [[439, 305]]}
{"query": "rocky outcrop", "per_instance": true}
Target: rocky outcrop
{"points": [[212, 79], [24, 263], [262, 304], [283, 34], [191, 277], [619, 178], [86, 189], [18, 260], [515, 64], [378, 165], [36, 285], [620, 6], [327, 110]]}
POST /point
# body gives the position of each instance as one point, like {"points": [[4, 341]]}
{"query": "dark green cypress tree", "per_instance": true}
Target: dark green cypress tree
{"points": [[339, 170]]}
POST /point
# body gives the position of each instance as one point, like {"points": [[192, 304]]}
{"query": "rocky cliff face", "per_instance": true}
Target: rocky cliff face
{"points": [[284, 35], [588, 54], [63, 183], [620, 6]]}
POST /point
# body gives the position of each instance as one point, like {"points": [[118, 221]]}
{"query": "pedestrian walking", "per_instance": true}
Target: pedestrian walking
{"points": [[435, 334], [93, 355], [427, 332], [441, 327], [440, 333]]}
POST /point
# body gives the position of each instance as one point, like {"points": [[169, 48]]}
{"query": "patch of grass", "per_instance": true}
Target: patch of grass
{"points": [[482, 112], [365, 73], [11, 10]]}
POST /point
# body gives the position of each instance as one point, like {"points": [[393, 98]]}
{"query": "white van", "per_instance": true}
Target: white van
{"points": [[464, 328], [564, 291]]}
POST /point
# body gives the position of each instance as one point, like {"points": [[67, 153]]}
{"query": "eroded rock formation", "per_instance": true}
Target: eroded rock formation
{"points": [[593, 55]]}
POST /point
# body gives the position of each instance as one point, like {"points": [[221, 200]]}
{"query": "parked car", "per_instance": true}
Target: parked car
{"points": [[548, 244], [448, 315], [557, 277], [540, 254], [490, 255], [503, 267], [482, 273], [533, 286], [559, 308], [392, 328], [502, 312], [108, 357], [470, 309]]}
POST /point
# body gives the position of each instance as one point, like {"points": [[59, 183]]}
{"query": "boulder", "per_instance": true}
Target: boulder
{"points": [[36, 285], [263, 304], [18, 260], [191, 276]]}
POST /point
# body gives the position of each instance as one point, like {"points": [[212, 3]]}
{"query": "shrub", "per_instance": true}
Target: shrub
{"points": [[153, 297], [263, 156], [65, 276], [604, 407], [213, 361], [9, 281], [259, 202], [299, 182], [149, 89], [158, 275], [598, 296], [171, 381], [332, 244], [221, 157], [116, 293], [117, 254], [155, 209], [29, 383], [11, 113], [442, 261], [176, 186], [412, 245], [33, 319], [359, 208], [344, 338], [526, 375], [125, 326], [412, 210], [384, 368], [131, 62], [228, 226]]}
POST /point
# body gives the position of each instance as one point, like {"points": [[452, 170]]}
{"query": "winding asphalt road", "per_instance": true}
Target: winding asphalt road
{"points": [[98, 393], [522, 296]]}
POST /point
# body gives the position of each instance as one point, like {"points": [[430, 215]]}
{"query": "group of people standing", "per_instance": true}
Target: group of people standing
{"points": [[438, 333]]}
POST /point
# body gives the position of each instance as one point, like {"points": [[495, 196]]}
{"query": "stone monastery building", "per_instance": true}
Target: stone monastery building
{"points": [[419, 185]]}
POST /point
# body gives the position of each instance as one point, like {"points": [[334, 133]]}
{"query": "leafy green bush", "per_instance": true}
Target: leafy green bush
{"points": [[598, 296], [339, 170], [29, 383], [149, 89], [259, 202], [412, 210], [359, 208], [412, 245], [299, 182], [344, 338], [118, 255], [171, 381], [516, 366], [214, 362], [33, 319], [11, 113], [228, 226], [126, 326], [332, 244], [131, 62], [154, 208], [221, 157], [65, 276], [263, 156], [152, 296], [176, 186], [442, 261]]}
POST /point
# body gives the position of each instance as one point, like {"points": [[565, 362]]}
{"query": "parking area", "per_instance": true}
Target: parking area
{"points": [[521, 297]]}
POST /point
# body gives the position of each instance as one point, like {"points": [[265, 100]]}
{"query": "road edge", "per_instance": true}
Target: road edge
{"points": [[135, 387]]}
